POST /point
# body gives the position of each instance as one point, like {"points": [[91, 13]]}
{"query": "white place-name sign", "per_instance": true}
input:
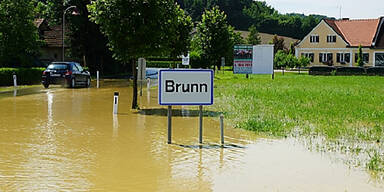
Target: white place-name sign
{"points": [[185, 87]]}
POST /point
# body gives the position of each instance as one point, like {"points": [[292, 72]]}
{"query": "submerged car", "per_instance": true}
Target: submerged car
{"points": [[69, 74]]}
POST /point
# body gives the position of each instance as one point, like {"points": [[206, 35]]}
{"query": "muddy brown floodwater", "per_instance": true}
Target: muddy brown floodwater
{"points": [[68, 140]]}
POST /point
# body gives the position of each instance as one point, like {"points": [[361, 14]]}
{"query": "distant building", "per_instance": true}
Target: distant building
{"points": [[336, 42], [52, 37]]}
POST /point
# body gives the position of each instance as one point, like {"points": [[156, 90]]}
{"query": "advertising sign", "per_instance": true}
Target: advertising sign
{"points": [[243, 59], [186, 87], [257, 59]]}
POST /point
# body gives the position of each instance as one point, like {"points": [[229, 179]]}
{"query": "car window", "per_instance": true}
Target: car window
{"points": [[79, 67], [58, 66], [74, 68]]}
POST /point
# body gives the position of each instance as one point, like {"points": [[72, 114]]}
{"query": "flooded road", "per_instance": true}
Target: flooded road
{"points": [[68, 140]]}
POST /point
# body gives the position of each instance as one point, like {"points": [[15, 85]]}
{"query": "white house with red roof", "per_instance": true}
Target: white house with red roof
{"points": [[336, 42]]}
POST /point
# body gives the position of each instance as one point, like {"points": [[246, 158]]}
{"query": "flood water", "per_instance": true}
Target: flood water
{"points": [[61, 139]]}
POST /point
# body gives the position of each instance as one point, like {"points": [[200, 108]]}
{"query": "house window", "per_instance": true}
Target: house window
{"points": [[331, 38], [365, 57], [343, 58], [311, 56], [326, 58], [379, 59], [314, 38]]}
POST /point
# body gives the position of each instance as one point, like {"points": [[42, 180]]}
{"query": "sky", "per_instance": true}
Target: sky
{"points": [[354, 9]]}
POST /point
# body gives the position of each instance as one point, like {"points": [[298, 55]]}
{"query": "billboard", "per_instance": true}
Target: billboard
{"points": [[186, 87], [257, 59], [243, 55]]}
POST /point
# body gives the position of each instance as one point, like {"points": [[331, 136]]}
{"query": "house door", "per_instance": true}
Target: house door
{"points": [[379, 59]]}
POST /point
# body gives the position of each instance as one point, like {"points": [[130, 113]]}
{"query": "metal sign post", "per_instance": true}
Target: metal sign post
{"points": [[169, 124], [201, 124]]}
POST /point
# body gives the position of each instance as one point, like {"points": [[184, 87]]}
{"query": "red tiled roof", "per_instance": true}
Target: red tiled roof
{"points": [[356, 32]]}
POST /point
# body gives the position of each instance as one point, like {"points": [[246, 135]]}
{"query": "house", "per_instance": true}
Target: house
{"points": [[336, 42], [52, 38]]}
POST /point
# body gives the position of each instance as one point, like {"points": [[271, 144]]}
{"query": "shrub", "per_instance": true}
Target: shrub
{"points": [[321, 70], [25, 76], [350, 71], [161, 64], [375, 71]]}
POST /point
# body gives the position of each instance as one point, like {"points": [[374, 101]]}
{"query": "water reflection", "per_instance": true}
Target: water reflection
{"points": [[115, 132]]}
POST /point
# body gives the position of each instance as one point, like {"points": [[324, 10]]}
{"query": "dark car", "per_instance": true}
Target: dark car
{"points": [[69, 74]]}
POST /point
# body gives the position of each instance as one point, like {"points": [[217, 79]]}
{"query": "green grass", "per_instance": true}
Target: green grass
{"points": [[343, 109], [6, 89]]}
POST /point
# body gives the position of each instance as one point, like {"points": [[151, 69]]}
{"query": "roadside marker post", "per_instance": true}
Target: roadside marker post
{"points": [[222, 129], [15, 81], [115, 102], [185, 87], [97, 79], [148, 84]]}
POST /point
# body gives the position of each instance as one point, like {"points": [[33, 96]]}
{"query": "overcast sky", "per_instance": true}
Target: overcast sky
{"points": [[349, 8]]}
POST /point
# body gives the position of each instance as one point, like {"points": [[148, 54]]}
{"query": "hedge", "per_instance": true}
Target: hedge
{"points": [[375, 71], [161, 64], [25, 76], [321, 70], [350, 71], [325, 70]]}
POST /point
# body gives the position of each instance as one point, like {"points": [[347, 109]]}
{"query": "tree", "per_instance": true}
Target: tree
{"points": [[85, 40], [303, 62], [280, 60], [253, 37], [215, 37], [278, 43], [360, 61], [136, 29], [180, 34], [19, 38]]}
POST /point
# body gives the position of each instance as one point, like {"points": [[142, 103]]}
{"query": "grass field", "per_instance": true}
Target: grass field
{"points": [[11, 88], [346, 111]]}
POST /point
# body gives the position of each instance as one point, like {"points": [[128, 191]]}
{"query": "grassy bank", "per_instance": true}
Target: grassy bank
{"points": [[11, 88], [348, 111]]}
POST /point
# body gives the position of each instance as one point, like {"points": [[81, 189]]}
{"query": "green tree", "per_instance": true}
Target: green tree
{"points": [[360, 61], [280, 60], [253, 37], [180, 34], [215, 37], [278, 43], [136, 29], [303, 62], [19, 39]]}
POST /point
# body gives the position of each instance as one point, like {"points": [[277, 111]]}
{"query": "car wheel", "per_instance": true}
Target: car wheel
{"points": [[88, 83], [73, 83], [46, 85]]}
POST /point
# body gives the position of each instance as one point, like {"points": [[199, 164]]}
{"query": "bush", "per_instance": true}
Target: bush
{"points": [[375, 71], [321, 70], [350, 71], [25, 76], [161, 64]]}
